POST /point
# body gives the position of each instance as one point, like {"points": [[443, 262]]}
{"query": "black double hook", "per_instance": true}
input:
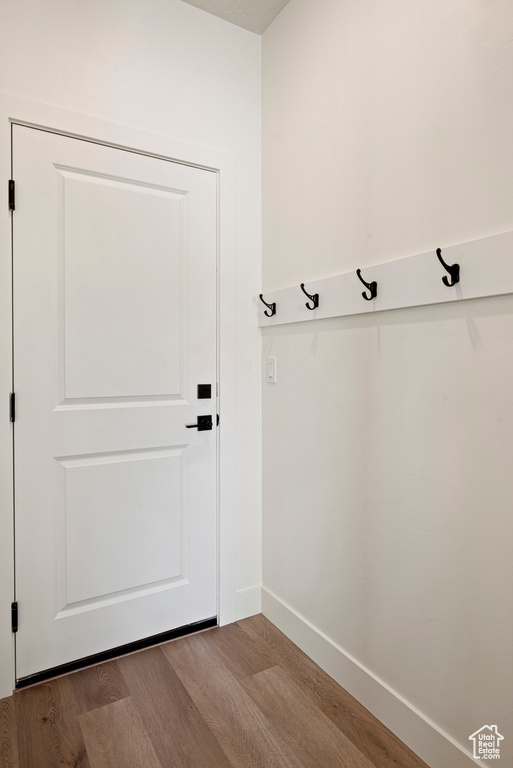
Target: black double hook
{"points": [[452, 269], [313, 298], [373, 287], [271, 306]]}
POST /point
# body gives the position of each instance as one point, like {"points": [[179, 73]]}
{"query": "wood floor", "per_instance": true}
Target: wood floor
{"points": [[240, 696]]}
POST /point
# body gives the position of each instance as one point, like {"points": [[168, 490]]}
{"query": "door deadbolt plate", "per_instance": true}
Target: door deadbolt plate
{"points": [[204, 391]]}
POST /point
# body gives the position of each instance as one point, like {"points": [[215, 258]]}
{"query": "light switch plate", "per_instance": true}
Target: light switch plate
{"points": [[270, 370]]}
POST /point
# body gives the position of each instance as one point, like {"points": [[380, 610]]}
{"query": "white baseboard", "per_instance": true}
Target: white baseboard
{"points": [[421, 735], [249, 602]]}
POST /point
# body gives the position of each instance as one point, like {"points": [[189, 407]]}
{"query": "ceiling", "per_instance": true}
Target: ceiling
{"points": [[254, 15]]}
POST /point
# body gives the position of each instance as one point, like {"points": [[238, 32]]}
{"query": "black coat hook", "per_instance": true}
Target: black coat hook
{"points": [[314, 298], [373, 287], [272, 306], [452, 269]]}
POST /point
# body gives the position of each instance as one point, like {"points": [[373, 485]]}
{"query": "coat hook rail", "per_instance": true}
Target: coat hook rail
{"points": [[373, 287], [411, 281], [452, 269], [271, 306], [313, 298]]}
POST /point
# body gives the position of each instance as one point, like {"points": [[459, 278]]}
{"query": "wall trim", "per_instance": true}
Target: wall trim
{"points": [[420, 734], [249, 602], [16, 109]]}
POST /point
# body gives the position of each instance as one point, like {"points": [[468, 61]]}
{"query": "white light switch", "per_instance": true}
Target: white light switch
{"points": [[271, 370]]}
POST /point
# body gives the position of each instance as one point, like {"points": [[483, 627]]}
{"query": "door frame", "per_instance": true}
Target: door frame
{"points": [[56, 120]]}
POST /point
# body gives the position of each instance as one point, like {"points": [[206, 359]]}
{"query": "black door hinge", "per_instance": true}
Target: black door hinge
{"points": [[14, 617], [12, 203], [217, 419], [12, 407]]}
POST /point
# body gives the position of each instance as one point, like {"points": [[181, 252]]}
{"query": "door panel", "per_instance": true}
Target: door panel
{"points": [[104, 495], [114, 327], [110, 352]]}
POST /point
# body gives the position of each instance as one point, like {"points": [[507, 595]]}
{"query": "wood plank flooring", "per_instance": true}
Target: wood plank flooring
{"points": [[240, 696]]}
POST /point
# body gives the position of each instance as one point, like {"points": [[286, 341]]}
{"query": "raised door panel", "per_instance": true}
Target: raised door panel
{"points": [[124, 293], [137, 499]]}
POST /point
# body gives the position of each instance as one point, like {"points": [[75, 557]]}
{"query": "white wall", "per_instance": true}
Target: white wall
{"points": [[388, 439], [165, 67]]}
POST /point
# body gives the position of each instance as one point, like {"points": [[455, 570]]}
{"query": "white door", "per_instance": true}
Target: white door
{"points": [[114, 329]]}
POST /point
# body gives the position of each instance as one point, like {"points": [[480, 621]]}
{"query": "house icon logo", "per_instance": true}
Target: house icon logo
{"points": [[487, 743]]}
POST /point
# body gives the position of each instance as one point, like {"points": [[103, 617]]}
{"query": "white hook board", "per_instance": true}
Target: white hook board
{"points": [[486, 269]]}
